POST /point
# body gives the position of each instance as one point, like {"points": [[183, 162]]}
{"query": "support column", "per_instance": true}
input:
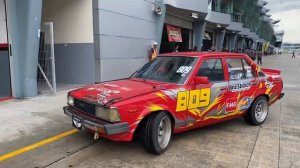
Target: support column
{"points": [[254, 45], [220, 40], [160, 23], [96, 30], [233, 39], [227, 47], [244, 43], [199, 29], [240, 42], [24, 27]]}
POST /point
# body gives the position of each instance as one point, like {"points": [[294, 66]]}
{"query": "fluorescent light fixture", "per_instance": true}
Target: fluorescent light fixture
{"points": [[194, 15]]}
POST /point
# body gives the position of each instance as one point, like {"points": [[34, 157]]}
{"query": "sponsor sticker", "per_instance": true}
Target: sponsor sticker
{"points": [[249, 73], [239, 86], [231, 104], [245, 103], [184, 69], [269, 84]]}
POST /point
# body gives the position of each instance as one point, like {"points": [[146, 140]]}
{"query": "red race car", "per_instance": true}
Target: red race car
{"points": [[175, 93]]}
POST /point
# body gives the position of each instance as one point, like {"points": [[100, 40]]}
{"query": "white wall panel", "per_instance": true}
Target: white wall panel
{"points": [[73, 20], [3, 33]]}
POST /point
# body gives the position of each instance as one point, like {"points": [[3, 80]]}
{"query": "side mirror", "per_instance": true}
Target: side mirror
{"points": [[201, 80]]}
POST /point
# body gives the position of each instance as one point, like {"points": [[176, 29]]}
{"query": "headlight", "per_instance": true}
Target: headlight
{"points": [[70, 101], [109, 114]]}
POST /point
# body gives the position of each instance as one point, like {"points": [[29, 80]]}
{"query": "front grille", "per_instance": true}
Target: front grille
{"points": [[85, 107]]}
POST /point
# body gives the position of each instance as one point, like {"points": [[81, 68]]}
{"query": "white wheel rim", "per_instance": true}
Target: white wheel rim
{"points": [[164, 132], [261, 110]]}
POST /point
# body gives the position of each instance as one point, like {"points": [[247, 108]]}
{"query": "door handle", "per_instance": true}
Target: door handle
{"points": [[10, 51]]}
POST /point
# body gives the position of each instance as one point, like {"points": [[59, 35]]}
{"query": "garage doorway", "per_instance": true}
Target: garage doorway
{"points": [[73, 41], [5, 78], [185, 45]]}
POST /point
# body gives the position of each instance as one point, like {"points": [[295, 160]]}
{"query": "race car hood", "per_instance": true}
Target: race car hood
{"points": [[115, 91]]}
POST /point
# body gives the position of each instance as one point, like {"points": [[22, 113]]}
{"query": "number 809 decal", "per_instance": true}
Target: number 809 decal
{"points": [[193, 99]]}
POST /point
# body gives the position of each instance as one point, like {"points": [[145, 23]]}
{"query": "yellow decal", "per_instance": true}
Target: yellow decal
{"points": [[193, 99], [204, 97], [154, 107], [268, 91], [260, 85], [216, 101], [224, 116], [196, 112], [274, 98], [159, 94], [182, 101]]}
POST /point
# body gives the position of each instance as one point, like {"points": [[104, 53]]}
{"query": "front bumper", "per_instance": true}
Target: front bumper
{"points": [[97, 126]]}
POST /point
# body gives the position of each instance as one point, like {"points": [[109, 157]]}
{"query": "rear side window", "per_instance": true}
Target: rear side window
{"points": [[213, 69], [239, 69], [235, 69], [249, 71]]}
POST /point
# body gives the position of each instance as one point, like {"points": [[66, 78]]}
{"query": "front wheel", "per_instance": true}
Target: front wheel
{"points": [[156, 133], [258, 111]]}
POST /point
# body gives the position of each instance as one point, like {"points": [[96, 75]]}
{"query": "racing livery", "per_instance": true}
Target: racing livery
{"points": [[175, 93]]}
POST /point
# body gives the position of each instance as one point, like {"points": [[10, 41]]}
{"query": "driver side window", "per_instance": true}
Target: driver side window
{"points": [[212, 69]]}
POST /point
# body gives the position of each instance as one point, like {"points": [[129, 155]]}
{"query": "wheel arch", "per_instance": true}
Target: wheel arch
{"points": [[145, 117], [264, 95]]}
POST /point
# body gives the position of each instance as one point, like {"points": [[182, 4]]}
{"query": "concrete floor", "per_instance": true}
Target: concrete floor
{"points": [[229, 144]]}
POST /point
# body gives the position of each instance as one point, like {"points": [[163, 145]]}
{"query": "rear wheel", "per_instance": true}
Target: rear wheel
{"points": [[258, 111], [156, 133]]}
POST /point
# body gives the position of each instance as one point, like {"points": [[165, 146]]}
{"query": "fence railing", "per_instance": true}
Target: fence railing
{"points": [[46, 65]]}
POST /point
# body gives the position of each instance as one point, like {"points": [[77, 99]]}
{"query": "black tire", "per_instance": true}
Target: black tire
{"points": [[149, 133], [251, 117]]}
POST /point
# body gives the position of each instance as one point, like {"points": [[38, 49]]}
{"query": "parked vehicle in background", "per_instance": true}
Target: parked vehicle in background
{"points": [[174, 93]]}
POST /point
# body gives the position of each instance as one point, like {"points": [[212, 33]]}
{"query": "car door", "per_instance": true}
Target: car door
{"points": [[213, 69], [243, 84]]}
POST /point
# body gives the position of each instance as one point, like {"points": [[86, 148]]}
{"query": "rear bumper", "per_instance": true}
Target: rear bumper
{"points": [[281, 96], [100, 127]]}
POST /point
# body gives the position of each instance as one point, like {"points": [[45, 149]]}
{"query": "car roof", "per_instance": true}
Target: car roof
{"points": [[201, 54]]}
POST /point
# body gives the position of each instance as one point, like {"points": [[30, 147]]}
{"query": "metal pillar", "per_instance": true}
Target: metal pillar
{"points": [[160, 23], [244, 43], [254, 45], [199, 30], [240, 42], [24, 28], [96, 31], [233, 39], [220, 40]]}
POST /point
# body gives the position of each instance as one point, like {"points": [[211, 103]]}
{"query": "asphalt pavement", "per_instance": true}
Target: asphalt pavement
{"points": [[33, 134]]}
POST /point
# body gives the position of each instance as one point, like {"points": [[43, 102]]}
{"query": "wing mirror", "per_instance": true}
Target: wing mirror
{"points": [[203, 80]]}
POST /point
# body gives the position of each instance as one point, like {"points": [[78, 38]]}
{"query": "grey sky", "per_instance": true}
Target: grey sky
{"points": [[289, 13], [278, 6]]}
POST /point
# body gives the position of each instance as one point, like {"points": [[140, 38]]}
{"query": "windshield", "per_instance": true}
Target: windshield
{"points": [[167, 69]]}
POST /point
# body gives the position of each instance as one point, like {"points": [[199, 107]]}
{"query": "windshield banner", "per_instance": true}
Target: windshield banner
{"points": [[174, 34]]}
